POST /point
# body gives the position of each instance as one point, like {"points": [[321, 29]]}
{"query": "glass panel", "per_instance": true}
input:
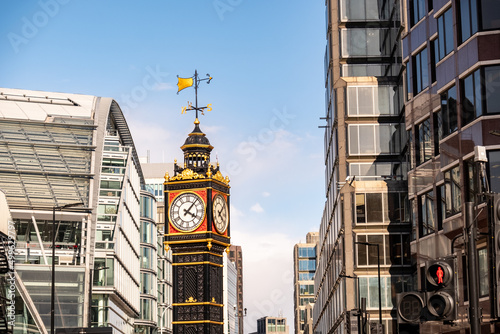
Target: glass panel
{"points": [[492, 83], [374, 207]]}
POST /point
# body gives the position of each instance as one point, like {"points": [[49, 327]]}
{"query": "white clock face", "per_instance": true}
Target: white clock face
{"points": [[187, 212], [220, 212]]}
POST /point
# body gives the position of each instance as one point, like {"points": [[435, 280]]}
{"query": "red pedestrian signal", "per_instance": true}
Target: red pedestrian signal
{"points": [[440, 287]]}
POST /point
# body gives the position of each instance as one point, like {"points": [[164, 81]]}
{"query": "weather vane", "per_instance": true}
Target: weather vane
{"points": [[188, 82]]}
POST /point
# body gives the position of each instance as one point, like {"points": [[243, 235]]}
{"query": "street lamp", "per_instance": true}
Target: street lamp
{"points": [[53, 291], [161, 318], [379, 283]]}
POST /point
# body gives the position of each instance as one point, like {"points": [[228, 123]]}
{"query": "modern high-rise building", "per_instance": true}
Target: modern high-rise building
{"points": [[452, 58], [366, 190], [267, 325], [304, 265], [236, 256], [230, 296], [68, 162]]}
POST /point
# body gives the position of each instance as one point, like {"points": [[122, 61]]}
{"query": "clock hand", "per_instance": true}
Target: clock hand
{"points": [[187, 211]]}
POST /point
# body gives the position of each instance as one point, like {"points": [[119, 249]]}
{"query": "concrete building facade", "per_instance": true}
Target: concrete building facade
{"points": [[304, 265], [365, 167]]}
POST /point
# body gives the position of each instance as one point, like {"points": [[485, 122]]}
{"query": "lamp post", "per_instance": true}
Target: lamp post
{"points": [[161, 318], [53, 287], [379, 283]]}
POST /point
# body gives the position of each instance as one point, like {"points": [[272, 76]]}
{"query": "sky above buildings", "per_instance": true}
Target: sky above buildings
{"points": [[267, 94]]}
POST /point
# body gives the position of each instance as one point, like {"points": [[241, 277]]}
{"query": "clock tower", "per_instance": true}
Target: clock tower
{"points": [[197, 232]]}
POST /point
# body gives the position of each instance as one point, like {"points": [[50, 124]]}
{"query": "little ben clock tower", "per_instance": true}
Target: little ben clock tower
{"points": [[197, 231]]}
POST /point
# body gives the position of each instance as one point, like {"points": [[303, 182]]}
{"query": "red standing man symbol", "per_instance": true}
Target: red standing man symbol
{"points": [[439, 274]]}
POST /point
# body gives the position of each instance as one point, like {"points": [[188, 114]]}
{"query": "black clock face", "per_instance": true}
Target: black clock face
{"points": [[220, 212], [187, 212]]}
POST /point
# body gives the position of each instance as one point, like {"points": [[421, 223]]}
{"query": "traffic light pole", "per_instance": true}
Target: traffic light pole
{"points": [[473, 269]]}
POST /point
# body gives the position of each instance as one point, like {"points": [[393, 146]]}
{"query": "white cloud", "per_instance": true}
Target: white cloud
{"points": [[160, 86], [266, 194], [257, 208]]}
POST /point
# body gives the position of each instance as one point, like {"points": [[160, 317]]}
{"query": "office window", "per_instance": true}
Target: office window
{"points": [[370, 101], [362, 10], [438, 131], [413, 218], [394, 249], [492, 88], [448, 111], [307, 251], [363, 42], [452, 191], [306, 265], [420, 71], [408, 92], [468, 19], [445, 34], [370, 139], [307, 276], [423, 142], [494, 170], [471, 105], [417, 10], [306, 289], [427, 223], [389, 287]]}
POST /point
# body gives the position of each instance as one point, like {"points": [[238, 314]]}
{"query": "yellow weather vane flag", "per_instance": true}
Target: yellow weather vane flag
{"points": [[184, 83]]}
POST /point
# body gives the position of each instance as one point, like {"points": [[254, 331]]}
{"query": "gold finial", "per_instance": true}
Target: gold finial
{"points": [[166, 176], [175, 161], [209, 171], [209, 245], [227, 250], [196, 121], [227, 179], [213, 299], [167, 247], [185, 165]]}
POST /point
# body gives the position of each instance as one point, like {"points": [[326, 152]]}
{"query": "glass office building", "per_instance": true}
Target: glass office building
{"points": [[72, 156]]}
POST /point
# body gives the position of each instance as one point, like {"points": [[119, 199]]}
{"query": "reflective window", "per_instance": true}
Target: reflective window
{"points": [[420, 71], [452, 191], [471, 105], [307, 276], [307, 265], [306, 289], [492, 88], [448, 111], [389, 287], [494, 170], [362, 10], [445, 34], [103, 272], [380, 208], [427, 222], [147, 309], [364, 42], [424, 146], [394, 249], [370, 139], [417, 10], [468, 18], [490, 14], [370, 101], [148, 282], [307, 251]]}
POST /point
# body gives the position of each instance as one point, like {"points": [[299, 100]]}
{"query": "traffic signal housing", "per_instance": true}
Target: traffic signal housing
{"points": [[410, 307], [441, 288]]}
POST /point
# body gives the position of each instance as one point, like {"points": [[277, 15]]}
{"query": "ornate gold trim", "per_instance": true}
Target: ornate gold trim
{"points": [[197, 145], [218, 177], [193, 253], [195, 263], [197, 322], [187, 174], [198, 303], [199, 240]]}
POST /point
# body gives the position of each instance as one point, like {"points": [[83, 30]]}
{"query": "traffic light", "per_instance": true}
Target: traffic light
{"points": [[440, 286], [410, 307], [496, 252]]}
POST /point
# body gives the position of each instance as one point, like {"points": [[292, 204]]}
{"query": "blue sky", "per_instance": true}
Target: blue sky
{"points": [[267, 94]]}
